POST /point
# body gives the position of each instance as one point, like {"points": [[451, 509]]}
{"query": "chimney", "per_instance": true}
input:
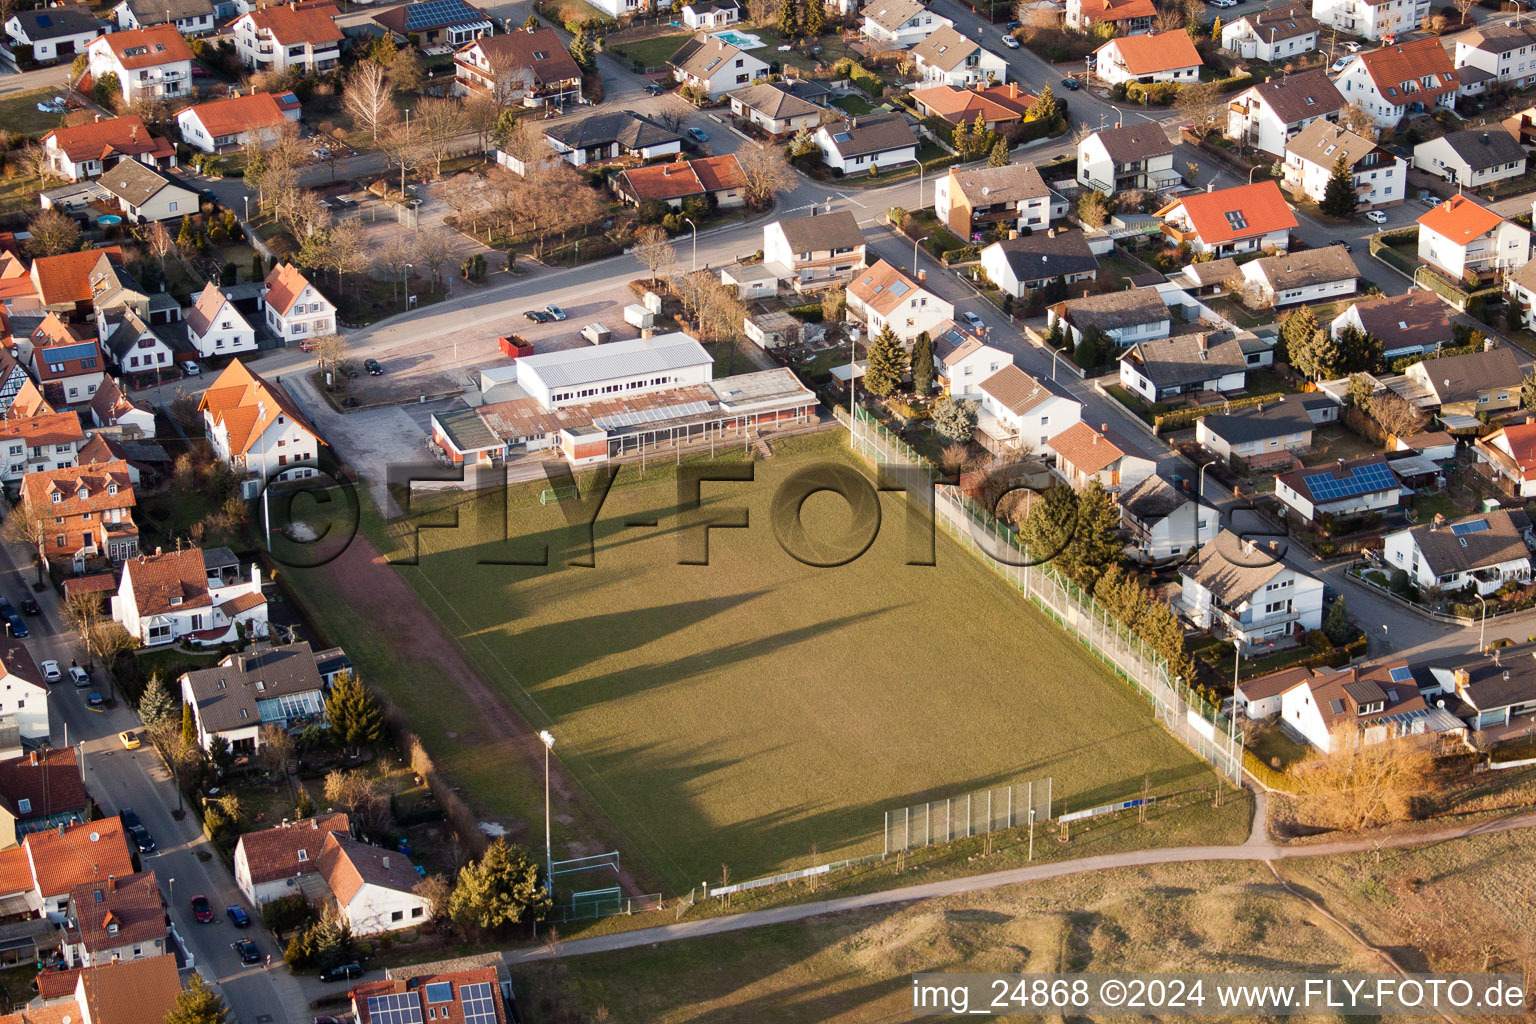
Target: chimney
{"points": [[34, 757], [1012, 234], [1438, 522], [922, 275], [158, 551], [1247, 547], [1103, 428], [1013, 90], [384, 861], [1487, 344], [1050, 233], [1267, 78], [111, 883], [1462, 678], [1204, 340]]}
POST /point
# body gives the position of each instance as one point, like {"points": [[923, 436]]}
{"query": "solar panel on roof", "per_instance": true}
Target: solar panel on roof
{"points": [[1325, 487], [479, 1002], [1475, 526], [1401, 674], [396, 1008], [899, 288], [634, 417], [64, 353], [43, 21], [440, 992], [842, 137]]}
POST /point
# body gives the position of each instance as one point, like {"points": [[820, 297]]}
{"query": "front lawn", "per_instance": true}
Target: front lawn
{"points": [[653, 52], [854, 105], [20, 113], [1333, 442]]}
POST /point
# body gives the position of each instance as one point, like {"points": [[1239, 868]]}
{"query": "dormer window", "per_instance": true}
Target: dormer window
{"points": [[57, 497], [24, 805], [303, 855], [82, 493], [112, 488], [175, 601]]}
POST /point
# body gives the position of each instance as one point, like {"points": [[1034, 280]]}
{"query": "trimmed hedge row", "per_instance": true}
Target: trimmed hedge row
{"points": [[810, 312], [1402, 363], [1180, 418], [1267, 776], [964, 254]]}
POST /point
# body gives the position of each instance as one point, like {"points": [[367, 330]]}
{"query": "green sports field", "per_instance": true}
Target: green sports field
{"points": [[753, 710]]}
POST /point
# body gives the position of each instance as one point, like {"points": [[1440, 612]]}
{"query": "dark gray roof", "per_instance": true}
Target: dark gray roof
{"points": [[1496, 36], [1040, 256], [1402, 321], [773, 102], [126, 333], [1511, 679], [1307, 268], [226, 694], [945, 48], [133, 182], [155, 12], [1283, 22], [1187, 358], [1010, 183], [871, 133], [1113, 310], [1286, 416], [1483, 148], [838, 230], [1298, 97], [1135, 142], [1230, 570], [629, 129], [1461, 378], [54, 22], [219, 558], [1472, 542], [1153, 499]]}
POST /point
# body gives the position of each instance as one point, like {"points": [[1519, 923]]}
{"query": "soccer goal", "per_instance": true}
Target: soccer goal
{"points": [[550, 494]]}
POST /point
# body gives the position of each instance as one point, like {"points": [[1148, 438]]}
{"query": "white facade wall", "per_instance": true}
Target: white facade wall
{"points": [[1038, 425], [1250, 449], [919, 312], [1321, 292], [310, 316], [1506, 247], [168, 80], [197, 25], [1401, 551], [1517, 66], [1290, 601], [1186, 528], [1357, 86], [1251, 41], [48, 49], [864, 161], [1370, 21], [910, 32], [965, 376], [1437, 157], [988, 66], [1386, 183], [375, 909], [228, 334]]}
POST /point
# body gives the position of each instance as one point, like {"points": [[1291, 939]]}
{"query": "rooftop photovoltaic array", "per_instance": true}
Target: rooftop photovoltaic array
{"points": [[1375, 476], [634, 417], [65, 353], [440, 12], [400, 1008], [479, 1002], [1401, 674], [1475, 526], [440, 992]]}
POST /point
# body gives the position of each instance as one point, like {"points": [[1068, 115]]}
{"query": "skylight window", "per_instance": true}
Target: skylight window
{"points": [[899, 288], [1401, 674], [1236, 220]]}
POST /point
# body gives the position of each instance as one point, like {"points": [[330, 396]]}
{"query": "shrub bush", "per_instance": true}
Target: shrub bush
{"points": [[1180, 418], [964, 254], [810, 312]]}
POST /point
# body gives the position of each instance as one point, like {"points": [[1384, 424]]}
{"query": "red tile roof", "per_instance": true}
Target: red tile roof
{"points": [[156, 580], [284, 285], [1393, 67], [539, 50], [998, 103], [138, 991], [240, 399], [49, 781], [873, 287], [718, 173], [15, 872], [452, 1012], [1259, 208], [273, 854], [681, 178], [49, 428], [146, 47], [64, 858], [67, 277], [58, 984], [238, 114], [347, 865], [1461, 219], [1118, 10], [96, 583], [125, 135], [313, 23], [1086, 449], [133, 905], [1150, 54]]}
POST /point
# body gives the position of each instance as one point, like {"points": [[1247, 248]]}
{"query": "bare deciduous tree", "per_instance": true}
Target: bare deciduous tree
{"points": [[159, 242], [653, 249], [349, 249], [32, 160], [53, 233], [328, 350], [442, 121], [402, 147], [1397, 415], [362, 796], [1463, 7], [369, 97], [767, 174], [1362, 784], [276, 748], [434, 250], [1358, 120], [1203, 106]]}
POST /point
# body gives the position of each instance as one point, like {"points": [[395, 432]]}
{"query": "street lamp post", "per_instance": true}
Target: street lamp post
{"points": [[1482, 632], [695, 228], [402, 154], [549, 860], [405, 285], [914, 250]]}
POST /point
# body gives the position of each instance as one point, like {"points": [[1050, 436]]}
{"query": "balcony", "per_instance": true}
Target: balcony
{"points": [[1179, 234]]}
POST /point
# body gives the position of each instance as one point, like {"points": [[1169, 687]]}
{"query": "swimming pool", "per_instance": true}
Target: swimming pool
{"points": [[740, 40]]}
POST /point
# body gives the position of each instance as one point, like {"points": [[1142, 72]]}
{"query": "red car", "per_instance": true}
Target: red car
{"points": [[202, 910]]}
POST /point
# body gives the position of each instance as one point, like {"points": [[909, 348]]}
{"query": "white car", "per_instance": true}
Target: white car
{"points": [[1338, 65], [77, 675], [1011, 42], [190, 368], [51, 671], [973, 321], [1376, 216], [1352, 46], [1223, 3]]}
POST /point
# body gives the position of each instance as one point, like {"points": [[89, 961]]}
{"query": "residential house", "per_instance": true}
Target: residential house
{"points": [[1125, 317], [33, 443], [145, 195], [167, 597], [604, 137], [1243, 218], [1411, 324], [1434, 445], [1520, 288], [717, 177], [624, 8], [85, 512], [974, 200], [72, 855], [1477, 382], [40, 790], [1400, 80], [1270, 114], [901, 23], [1163, 368], [1276, 35], [438, 22], [998, 106], [535, 58], [713, 67], [295, 310], [963, 361], [1264, 435], [277, 687], [1313, 275], [216, 328], [1129, 17], [115, 919], [62, 283], [1376, 20], [1510, 454], [256, 428], [1033, 262], [143, 458], [1019, 411], [135, 346], [1494, 692], [752, 280], [154, 62], [24, 701], [1237, 587], [1361, 705], [189, 17], [302, 35], [1483, 551], [1472, 159], [1161, 57], [1348, 488], [238, 122], [1136, 156], [1162, 521], [141, 991], [86, 150], [1379, 176], [711, 14], [53, 34], [1522, 125], [110, 409], [1084, 454], [883, 296], [1504, 49], [373, 886], [269, 864], [67, 362], [948, 57], [470, 995], [772, 328], [1259, 698], [775, 109], [114, 291], [818, 251], [867, 142]]}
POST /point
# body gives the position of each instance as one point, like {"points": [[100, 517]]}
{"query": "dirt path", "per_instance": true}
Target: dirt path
{"points": [[379, 595]]}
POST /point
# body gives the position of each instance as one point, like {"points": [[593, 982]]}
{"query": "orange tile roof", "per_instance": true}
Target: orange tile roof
{"points": [[49, 428], [64, 858], [1118, 10], [284, 284], [139, 991], [126, 135], [273, 853], [1391, 67], [673, 180], [67, 277], [347, 865], [29, 402], [718, 173], [58, 984], [150, 47], [415, 986], [84, 360], [1147, 55], [1461, 219], [39, 488], [997, 103], [15, 871], [240, 113], [873, 287], [209, 301], [310, 23], [1087, 449], [1521, 438], [238, 398], [133, 904], [58, 1013], [54, 331], [156, 579], [50, 780], [1260, 206]]}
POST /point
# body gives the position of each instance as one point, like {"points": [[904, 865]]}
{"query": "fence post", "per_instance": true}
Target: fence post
{"points": [[949, 819], [1050, 786], [989, 810], [887, 851], [906, 831], [1010, 805]]}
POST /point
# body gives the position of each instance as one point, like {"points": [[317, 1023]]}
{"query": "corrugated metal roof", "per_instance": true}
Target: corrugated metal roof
{"points": [[577, 366]]}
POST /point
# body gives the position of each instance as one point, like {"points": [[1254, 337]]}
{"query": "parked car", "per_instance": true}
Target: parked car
{"points": [[1352, 46], [698, 134], [1376, 216], [555, 311], [1071, 83], [1010, 41], [130, 740], [79, 676], [142, 837], [130, 819], [973, 321], [342, 972], [249, 954], [51, 671], [238, 916], [202, 910], [654, 89], [1338, 65], [13, 623], [1223, 3], [30, 607], [373, 367], [190, 368], [1013, 25], [538, 316], [96, 702]]}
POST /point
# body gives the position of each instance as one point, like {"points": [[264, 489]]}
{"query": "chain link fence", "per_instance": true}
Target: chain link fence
{"points": [[974, 814]]}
